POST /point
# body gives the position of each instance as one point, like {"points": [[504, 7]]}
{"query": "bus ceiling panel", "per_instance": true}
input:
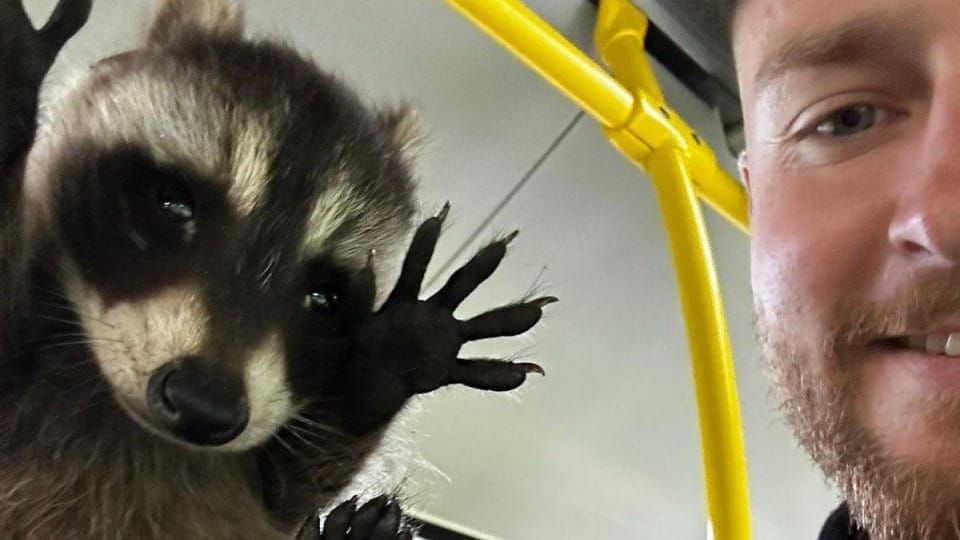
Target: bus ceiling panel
{"points": [[689, 37], [699, 28]]}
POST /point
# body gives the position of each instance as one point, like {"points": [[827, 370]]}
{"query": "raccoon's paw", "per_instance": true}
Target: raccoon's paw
{"points": [[413, 344], [440, 335], [378, 519], [26, 55], [31, 52]]}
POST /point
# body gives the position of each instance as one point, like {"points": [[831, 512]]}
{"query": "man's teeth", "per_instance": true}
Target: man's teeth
{"points": [[948, 344]]}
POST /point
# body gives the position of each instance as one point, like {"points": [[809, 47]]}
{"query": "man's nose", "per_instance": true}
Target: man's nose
{"points": [[926, 226]]}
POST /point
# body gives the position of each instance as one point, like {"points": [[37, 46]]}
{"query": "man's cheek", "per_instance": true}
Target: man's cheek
{"points": [[816, 240], [798, 285]]}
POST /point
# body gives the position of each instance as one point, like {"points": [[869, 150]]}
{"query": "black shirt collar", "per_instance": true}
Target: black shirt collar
{"points": [[838, 526]]}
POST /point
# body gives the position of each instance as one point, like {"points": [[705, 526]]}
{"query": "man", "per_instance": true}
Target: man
{"points": [[852, 114]]}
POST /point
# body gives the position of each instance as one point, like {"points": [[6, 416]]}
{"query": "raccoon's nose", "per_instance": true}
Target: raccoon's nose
{"points": [[198, 403]]}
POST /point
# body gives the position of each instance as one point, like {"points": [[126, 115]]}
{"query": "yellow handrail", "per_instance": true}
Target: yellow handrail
{"points": [[630, 106], [613, 105]]}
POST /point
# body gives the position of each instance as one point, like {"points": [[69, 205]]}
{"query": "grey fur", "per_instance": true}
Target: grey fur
{"points": [[76, 464]]}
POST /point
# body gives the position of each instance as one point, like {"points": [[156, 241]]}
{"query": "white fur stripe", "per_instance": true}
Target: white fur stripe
{"points": [[253, 152], [268, 394]]}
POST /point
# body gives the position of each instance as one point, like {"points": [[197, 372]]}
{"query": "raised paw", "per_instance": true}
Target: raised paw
{"points": [[410, 346], [26, 55], [378, 519]]}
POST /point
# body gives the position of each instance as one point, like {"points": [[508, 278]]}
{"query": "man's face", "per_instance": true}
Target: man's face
{"points": [[852, 111]]}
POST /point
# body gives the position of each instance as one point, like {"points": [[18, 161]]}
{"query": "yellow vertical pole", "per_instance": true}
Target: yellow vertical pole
{"points": [[712, 363], [638, 121]]}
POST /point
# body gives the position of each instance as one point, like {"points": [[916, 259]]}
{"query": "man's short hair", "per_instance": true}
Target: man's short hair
{"points": [[732, 7]]}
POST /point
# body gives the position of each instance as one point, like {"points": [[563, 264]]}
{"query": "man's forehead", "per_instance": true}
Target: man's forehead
{"points": [[771, 36]]}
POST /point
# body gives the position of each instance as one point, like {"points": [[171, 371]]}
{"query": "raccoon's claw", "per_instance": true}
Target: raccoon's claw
{"points": [[506, 321], [378, 519], [494, 375]]}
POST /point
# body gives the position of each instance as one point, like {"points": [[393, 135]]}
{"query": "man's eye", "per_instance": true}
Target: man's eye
{"points": [[322, 301], [848, 121]]}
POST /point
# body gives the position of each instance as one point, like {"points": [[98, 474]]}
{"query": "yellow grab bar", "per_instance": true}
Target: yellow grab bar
{"points": [[613, 105], [544, 50], [725, 470], [631, 108]]}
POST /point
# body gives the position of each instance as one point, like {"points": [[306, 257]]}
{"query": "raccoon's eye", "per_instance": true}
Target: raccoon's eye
{"points": [[322, 301], [175, 202]]}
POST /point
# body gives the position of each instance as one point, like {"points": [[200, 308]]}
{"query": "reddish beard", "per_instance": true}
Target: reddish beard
{"points": [[815, 383]]}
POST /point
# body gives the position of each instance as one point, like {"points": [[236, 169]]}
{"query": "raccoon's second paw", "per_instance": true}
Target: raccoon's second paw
{"points": [[410, 345], [378, 519], [26, 55]]}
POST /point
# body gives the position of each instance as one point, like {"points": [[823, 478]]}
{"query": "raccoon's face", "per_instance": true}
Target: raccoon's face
{"points": [[214, 199]]}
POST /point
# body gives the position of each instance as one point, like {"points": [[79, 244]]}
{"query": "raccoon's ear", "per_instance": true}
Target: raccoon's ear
{"points": [[402, 123], [174, 18]]}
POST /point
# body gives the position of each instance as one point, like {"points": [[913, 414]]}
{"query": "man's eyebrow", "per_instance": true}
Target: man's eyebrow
{"points": [[866, 38]]}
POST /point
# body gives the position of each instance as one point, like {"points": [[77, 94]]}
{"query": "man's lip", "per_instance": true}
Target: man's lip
{"points": [[935, 343], [944, 330], [936, 372]]}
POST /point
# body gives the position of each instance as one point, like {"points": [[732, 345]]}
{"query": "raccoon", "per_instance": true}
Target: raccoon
{"points": [[194, 342]]}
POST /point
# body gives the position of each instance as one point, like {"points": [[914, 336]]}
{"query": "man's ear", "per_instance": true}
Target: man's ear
{"points": [[174, 18], [743, 165]]}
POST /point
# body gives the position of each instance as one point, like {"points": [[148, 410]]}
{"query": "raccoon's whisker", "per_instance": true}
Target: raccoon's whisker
{"points": [[334, 440], [40, 345], [311, 436], [57, 301], [82, 336], [70, 334], [298, 432], [316, 443], [74, 365], [301, 437], [298, 423], [71, 322], [306, 419], [310, 423], [57, 294], [327, 431], [86, 335], [50, 346], [289, 448], [74, 310]]}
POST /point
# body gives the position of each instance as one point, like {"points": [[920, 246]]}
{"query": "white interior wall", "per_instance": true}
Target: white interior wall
{"points": [[606, 446]]}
